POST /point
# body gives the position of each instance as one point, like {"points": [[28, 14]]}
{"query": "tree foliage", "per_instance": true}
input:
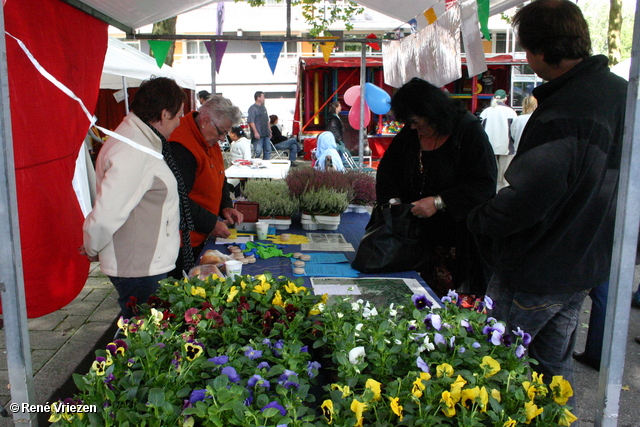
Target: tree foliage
{"points": [[321, 14], [168, 26], [598, 14]]}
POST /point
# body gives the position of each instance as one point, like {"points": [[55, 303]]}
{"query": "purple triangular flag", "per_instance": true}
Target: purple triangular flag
{"points": [[221, 47], [272, 52]]}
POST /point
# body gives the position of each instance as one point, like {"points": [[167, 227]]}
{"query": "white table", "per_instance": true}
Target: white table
{"points": [[274, 169]]}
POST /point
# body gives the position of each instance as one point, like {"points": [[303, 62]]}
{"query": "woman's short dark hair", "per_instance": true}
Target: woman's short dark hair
{"points": [[420, 98], [272, 119], [554, 28], [155, 95], [333, 107], [237, 130]]}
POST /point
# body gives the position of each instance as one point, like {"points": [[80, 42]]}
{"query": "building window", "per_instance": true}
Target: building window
{"points": [[196, 51], [500, 43]]}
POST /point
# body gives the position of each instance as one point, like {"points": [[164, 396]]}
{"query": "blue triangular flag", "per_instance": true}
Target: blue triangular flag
{"points": [[272, 52]]}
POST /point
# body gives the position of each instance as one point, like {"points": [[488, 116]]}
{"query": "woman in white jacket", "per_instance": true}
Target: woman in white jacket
{"points": [[529, 104], [240, 145], [133, 228]]}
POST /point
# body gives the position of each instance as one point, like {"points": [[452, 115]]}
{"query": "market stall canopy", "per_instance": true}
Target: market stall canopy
{"points": [[123, 60]]}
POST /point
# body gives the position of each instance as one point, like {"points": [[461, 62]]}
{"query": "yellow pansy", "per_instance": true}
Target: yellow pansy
{"points": [[327, 410], [468, 396], [317, 309], [277, 299], [358, 408], [444, 370], [262, 288], [156, 316], [509, 423], [530, 389], [374, 386], [193, 350], [324, 298], [418, 387], [99, 365], [395, 407], [449, 409], [123, 326], [293, 289], [532, 411], [425, 376], [243, 285], [109, 360], [484, 399], [537, 378], [459, 382], [490, 365], [198, 292], [496, 395], [561, 388], [232, 293], [566, 418], [346, 391]]}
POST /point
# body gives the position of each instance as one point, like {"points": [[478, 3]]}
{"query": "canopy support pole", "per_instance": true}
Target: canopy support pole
{"points": [[624, 255], [363, 80], [14, 308]]}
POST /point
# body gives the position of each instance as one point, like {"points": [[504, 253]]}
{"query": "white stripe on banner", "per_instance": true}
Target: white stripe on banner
{"points": [[69, 92]]}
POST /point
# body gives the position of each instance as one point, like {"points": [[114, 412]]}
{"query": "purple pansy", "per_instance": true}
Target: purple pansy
{"points": [[219, 360], [422, 365], [257, 379], [253, 354], [197, 395], [439, 339], [311, 366], [420, 301], [520, 351], [264, 365], [230, 372], [276, 405]]}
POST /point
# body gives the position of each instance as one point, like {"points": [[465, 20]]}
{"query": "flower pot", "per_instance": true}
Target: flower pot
{"points": [[282, 223], [321, 222]]}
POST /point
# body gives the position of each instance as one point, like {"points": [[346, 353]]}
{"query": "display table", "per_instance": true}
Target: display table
{"points": [[352, 227], [274, 169]]}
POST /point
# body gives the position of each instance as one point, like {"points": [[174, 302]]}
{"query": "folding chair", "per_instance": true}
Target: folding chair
{"points": [[275, 154]]}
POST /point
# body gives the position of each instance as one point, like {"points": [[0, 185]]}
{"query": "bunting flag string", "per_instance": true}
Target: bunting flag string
{"points": [[272, 52], [160, 49], [327, 48], [221, 48]]}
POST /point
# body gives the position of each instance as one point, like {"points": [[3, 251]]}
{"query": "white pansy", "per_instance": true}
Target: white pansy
{"points": [[359, 326], [340, 315], [355, 306], [367, 312], [156, 316], [356, 355], [392, 311]]}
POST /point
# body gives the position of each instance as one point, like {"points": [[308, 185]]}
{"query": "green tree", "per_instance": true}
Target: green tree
{"points": [[611, 27], [321, 14]]}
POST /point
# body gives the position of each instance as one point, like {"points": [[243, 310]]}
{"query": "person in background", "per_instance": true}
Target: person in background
{"points": [[443, 164], [203, 96], [335, 126], [283, 143], [550, 232], [497, 121], [240, 146], [487, 81], [196, 147], [327, 157], [134, 227], [529, 104], [260, 131]]}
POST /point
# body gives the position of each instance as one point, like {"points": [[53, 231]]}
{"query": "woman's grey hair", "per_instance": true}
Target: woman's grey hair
{"points": [[218, 107]]}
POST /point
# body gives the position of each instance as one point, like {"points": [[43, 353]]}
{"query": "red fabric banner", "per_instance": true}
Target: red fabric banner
{"points": [[48, 130]]}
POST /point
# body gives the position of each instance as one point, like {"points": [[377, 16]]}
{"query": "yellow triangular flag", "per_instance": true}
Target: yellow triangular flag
{"points": [[327, 48], [430, 15]]}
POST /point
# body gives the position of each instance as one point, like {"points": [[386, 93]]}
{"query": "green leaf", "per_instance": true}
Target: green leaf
{"points": [[220, 383], [239, 409], [79, 381], [270, 412], [156, 397]]}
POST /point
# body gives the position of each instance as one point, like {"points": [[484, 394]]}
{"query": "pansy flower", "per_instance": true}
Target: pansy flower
{"points": [[449, 408], [252, 354], [194, 350], [233, 291], [117, 347], [312, 368], [531, 411], [526, 338], [327, 410], [191, 316], [490, 366], [99, 365], [277, 299], [219, 360], [276, 405], [374, 386], [444, 369], [356, 355], [561, 389], [396, 408], [197, 395], [420, 301], [230, 372], [566, 418], [197, 291], [345, 389], [358, 408], [434, 321], [258, 380], [420, 363]]}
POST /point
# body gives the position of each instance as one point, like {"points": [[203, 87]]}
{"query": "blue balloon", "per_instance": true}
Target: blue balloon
{"points": [[377, 99]]}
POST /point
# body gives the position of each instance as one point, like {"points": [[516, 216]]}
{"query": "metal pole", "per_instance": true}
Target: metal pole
{"points": [[214, 63], [288, 33], [363, 133], [126, 95], [14, 308], [623, 256]]}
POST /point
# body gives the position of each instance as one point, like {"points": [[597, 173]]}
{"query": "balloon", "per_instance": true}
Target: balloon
{"points": [[351, 94], [354, 115], [377, 99]]}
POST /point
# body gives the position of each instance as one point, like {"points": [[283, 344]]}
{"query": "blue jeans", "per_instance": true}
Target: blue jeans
{"points": [[551, 320], [593, 346], [140, 287], [262, 145], [292, 145]]}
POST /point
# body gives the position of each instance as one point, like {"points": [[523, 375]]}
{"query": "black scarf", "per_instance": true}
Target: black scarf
{"points": [[186, 223]]}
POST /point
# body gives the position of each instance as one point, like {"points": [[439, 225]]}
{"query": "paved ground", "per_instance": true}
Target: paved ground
{"points": [[63, 342]]}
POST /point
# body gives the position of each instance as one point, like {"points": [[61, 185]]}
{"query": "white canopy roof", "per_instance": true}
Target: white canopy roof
{"points": [[123, 60]]}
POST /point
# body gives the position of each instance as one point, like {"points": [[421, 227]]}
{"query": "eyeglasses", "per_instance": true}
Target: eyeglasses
{"points": [[220, 132]]}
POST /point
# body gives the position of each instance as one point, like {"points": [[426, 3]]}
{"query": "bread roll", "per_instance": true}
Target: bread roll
{"points": [[210, 257]]}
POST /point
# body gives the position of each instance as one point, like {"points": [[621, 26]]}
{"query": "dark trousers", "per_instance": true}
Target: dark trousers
{"points": [[140, 288]]}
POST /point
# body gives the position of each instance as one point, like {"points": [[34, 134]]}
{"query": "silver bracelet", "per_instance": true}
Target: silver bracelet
{"points": [[437, 201]]}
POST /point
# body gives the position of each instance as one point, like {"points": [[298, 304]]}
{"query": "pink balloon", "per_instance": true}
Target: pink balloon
{"points": [[354, 115], [351, 95]]}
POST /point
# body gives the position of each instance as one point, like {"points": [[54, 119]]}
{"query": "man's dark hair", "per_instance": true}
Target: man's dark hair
{"points": [[554, 28], [155, 95], [420, 98], [257, 95], [204, 94]]}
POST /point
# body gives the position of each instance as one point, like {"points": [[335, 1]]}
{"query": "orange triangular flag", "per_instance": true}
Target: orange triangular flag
{"points": [[327, 48], [374, 46]]}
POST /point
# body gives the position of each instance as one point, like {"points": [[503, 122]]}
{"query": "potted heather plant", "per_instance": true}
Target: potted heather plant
{"points": [[364, 190], [321, 208]]}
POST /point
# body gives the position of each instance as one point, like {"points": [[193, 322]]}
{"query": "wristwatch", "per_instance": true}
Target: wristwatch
{"points": [[437, 201], [394, 201]]}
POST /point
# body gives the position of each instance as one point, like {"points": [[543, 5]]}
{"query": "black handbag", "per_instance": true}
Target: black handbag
{"points": [[394, 240]]}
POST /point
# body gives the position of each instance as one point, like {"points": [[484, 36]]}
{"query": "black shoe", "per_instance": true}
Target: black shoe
{"points": [[294, 164], [635, 299], [638, 339], [586, 360]]}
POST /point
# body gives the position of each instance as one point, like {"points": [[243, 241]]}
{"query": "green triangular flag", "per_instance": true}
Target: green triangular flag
{"points": [[483, 17], [160, 48]]}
